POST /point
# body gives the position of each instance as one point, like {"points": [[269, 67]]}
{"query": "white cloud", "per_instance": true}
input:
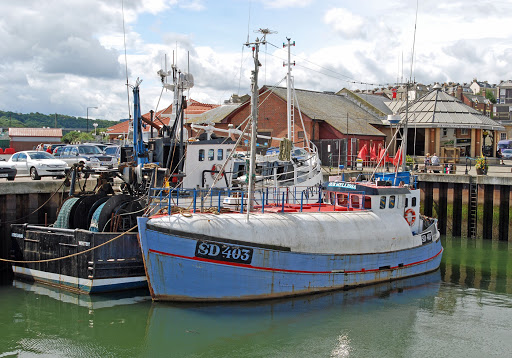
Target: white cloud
{"points": [[345, 23], [282, 4]]}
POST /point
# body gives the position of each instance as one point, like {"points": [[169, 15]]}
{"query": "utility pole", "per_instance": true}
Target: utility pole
{"points": [[254, 113]]}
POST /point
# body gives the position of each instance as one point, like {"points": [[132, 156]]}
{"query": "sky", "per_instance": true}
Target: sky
{"points": [[68, 56]]}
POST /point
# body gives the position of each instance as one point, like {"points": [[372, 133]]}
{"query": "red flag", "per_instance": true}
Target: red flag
{"points": [[394, 92], [382, 153], [373, 154], [397, 160], [363, 152]]}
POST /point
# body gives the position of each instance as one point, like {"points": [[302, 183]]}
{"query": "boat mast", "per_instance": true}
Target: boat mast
{"points": [[254, 114], [291, 130], [404, 136]]}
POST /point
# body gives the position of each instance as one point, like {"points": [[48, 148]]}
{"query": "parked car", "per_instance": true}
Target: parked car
{"points": [[99, 145], [506, 154], [38, 164], [7, 170], [90, 155], [114, 151]]}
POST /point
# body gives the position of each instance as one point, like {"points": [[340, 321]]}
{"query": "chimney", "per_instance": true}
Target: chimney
{"points": [[459, 93]]}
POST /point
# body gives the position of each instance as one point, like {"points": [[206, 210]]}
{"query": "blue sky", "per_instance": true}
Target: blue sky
{"points": [[64, 56]]}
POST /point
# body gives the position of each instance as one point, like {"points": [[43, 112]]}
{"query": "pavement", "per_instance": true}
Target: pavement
{"points": [[495, 169]]}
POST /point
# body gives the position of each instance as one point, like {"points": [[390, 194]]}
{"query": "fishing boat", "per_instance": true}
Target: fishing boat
{"points": [[358, 233]]}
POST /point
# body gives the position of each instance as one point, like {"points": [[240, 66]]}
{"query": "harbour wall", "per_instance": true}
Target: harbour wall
{"points": [[468, 205]]}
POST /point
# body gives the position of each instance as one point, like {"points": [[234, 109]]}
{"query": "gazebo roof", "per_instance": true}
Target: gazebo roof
{"points": [[438, 109]]}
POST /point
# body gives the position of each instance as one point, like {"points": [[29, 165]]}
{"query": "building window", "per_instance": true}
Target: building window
{"points": [[300, 134], [220, 154], [211, 154], [503, 136], [201, 155], [464, 131], [445, 132]]}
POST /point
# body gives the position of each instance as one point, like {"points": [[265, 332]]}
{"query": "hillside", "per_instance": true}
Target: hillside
{"points": [[38, 120]]}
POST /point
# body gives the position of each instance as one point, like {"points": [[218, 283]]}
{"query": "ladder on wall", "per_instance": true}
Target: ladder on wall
{"points": [[473, 208]]}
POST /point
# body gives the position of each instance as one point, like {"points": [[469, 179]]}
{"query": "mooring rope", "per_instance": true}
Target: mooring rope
{"points": [[71, 255]]}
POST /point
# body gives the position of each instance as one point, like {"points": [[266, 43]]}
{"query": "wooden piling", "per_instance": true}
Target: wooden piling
{"points": [[457, 209], [504, 212], [488, 211]]}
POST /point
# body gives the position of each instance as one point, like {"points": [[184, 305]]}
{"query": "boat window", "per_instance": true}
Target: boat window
{"points": [[201, 155], [367, 202], [354, 201], [391, 201], [382, 202], [406, 202], [342, 199], [331, 199], [220, 154], [413, 201], [211, 154]]}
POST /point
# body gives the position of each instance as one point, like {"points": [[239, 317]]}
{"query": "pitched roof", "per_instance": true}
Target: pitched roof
{"points": [[194, 109], [334, 109], [376, 102], [214, 115], [438, 109], [35, 132]]}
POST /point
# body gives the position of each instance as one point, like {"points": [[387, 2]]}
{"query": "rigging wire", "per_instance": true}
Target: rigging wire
{"points": [[346, 78], [414, 40], [126, 63]]}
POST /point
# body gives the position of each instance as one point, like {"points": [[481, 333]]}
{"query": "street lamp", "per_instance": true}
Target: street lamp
{"points": [[88, 117], [95, 125]]}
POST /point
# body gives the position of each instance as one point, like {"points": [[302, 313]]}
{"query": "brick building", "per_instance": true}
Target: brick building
{"points": [[28, 138], [318, 116]]}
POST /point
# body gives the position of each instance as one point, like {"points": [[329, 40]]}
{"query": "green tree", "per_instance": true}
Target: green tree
{"points": [[490, 96], [77, 137]]}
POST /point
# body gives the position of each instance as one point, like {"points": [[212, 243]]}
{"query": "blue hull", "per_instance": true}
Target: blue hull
{"points": [[176, 273]]}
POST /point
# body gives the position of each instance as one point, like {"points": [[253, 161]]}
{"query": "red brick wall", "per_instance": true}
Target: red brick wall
{"points": [[272, 118]]}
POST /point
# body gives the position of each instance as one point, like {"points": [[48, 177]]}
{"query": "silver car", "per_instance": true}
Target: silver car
{"points": [[90, 155], [38, 164]]}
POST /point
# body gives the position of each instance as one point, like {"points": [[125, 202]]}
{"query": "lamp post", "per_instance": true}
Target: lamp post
{"points": [[88, 117], [95, 125]]}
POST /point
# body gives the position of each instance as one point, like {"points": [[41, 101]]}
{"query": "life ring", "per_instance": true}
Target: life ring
{"points": [[216, 169], [410, 216]]}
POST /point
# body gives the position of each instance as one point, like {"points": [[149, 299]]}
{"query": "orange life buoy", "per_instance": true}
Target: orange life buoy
{"points": [[215, 169], [410, 216]]}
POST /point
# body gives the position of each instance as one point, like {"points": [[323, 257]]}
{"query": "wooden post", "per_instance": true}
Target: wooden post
{"points": [[457, 209], [504, 212], [429, 199], [443, 207], [488, 211]]}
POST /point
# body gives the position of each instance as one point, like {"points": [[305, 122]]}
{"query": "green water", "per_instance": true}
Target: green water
{"points": [[462, 310]]}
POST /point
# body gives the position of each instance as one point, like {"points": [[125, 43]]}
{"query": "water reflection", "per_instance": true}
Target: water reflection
{"points": [[336, 324], [477, 263], [462, 310]]}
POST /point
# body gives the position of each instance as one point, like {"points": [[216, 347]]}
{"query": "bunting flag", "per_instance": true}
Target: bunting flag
{"points": [[363, 153], [397, 160], [373, 154]]}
